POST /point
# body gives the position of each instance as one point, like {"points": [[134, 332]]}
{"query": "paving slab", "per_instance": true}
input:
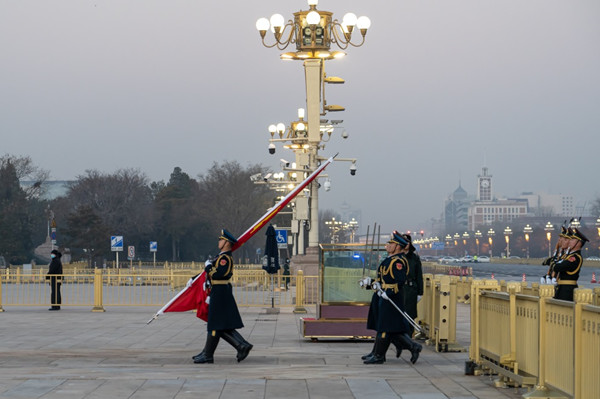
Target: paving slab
{"points": [[79, 354]]}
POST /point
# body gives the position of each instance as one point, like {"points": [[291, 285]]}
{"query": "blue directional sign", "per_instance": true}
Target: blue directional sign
{"points": [[116, 243], [153, 246], [281, 236], [437, 245]]}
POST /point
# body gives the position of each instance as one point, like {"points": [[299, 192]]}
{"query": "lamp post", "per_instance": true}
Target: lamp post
{"points": [[491, 233], [549, 229], [527, 230], [313, 32], [598, 227], [478, 235], [456, 238], [448, 240], [507, 234], [576, 223], [334, 226], [352, 226], [465, 237]]}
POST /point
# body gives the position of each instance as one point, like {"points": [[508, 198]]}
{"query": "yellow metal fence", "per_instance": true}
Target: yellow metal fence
{"points": [[125, 287], [549, 345]]}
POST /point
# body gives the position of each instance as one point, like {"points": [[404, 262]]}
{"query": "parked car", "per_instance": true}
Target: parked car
{"points": [[466, 259], [596, 258], [514, 257], [483, 259], [446, 259]]}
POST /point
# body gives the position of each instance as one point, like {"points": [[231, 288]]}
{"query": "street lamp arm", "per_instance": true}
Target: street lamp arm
{"points": [[281, 44], [342, 38]]}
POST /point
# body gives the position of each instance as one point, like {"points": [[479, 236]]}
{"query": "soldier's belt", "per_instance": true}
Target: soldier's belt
{"points": [[567, 282], [219, 282], [390, 287]]}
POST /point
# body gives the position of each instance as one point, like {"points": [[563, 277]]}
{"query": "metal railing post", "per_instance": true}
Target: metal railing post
{"points": [[1, 310], [98, 307], [300, 293]]}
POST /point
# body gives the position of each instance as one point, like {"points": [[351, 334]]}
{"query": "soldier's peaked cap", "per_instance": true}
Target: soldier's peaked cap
{"points": [[227, 236], [398, 239], [578, 235], [563, 232]]}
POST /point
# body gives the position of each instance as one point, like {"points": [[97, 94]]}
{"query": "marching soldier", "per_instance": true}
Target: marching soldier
{"points": [[569, 266], [223, 314], [413, 289], [560, 251], [391, 276]]}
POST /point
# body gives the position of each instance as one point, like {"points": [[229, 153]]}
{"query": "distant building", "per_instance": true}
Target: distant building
{"points": [[464, 214], [549, 205], [456, 210]]}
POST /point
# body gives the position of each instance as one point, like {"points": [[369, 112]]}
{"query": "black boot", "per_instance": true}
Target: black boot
{"points": [[414, 347], [206, 356], [382, 343], [236, 340], [397, 343], [364, 357]]}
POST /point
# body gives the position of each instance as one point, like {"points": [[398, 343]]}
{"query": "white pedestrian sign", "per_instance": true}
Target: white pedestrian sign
{"points": [[116, 243], [281, 237]]}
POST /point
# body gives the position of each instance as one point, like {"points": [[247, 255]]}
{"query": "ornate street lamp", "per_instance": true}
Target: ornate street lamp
{"points": [[527, 230], [352, 226], [478, 235], [549, 229], [598, 227], [465, 237], [334, 226], [507, 234], [491, 233], [576, 223], [314, 33]]}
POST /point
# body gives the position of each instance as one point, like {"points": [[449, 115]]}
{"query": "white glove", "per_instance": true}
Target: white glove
{"points": [[207, 300], [548, 280], [207, 285], [189, 283], [553, 280], [208, 262], [376, 286], [543, 280], [419, 297], [365, 282]]}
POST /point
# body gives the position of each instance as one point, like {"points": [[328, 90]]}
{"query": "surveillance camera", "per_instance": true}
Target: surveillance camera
{"points": [[271, 148], [353, 169], [327, 185], [285, 163], [345, 134], [267, 176]]}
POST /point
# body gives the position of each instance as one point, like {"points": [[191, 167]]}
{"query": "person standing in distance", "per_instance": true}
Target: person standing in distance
{"points": [[54, 276], [223, 314]]}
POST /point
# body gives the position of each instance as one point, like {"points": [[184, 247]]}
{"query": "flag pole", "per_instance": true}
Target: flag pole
{"points": [[257, 225]]}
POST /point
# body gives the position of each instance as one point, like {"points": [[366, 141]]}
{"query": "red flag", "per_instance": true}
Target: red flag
{"points": [[193, 296]]}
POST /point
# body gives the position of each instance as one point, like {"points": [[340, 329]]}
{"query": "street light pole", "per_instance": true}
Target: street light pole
{"points": [[313, 32], [491, 233], [507, 233], [527, 230]]}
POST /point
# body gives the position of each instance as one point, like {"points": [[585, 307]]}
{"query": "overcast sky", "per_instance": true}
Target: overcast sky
{"points": [[439, 89]]}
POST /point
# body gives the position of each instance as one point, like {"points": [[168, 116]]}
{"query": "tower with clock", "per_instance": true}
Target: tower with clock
{"points": [[484, 185]]}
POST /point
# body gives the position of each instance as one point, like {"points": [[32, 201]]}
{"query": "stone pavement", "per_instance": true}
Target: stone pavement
{"points": [[76, 354]]}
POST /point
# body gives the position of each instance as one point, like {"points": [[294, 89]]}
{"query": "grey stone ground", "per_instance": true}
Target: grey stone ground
{"points": [[75, 354]]}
